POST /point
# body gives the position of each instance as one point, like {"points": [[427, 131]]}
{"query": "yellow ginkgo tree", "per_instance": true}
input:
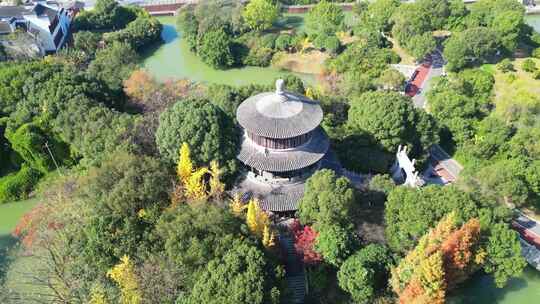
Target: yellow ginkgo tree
{"points": [[123, 274]]}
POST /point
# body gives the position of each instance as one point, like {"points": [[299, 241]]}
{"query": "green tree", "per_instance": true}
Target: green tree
{"points": [[327, 199], [238, 277], [38, 149], [209, 132], [335, 243], [113, 64], [365, 273], [504, 258], [505, 66], [472, 46], [422, 45], [260, 14], [215, 49], [192, 236], [325, 18], [391, 120], [410, 213], [392, 79], [528, 65], [87, 41]]}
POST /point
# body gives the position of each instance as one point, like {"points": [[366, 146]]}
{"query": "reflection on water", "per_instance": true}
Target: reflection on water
{"points": [[173, 59], [482, 290], [534, 21]]}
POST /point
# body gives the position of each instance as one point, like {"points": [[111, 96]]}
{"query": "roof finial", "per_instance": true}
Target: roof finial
{"points": [[280, 84]]}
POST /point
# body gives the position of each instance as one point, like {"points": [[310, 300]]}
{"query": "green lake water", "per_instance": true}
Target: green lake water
{"points": [[174, 60], [534, 21]]}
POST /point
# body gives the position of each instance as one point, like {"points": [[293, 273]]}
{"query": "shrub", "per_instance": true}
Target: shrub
{"points": [[505, 66], [215, 49], [284, 42], [259, 56], [16, 186], [528, 65], [536, 75], [536, 53]]}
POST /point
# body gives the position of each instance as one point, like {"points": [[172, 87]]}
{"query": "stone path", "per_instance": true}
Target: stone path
{"points": [[294, 270]]}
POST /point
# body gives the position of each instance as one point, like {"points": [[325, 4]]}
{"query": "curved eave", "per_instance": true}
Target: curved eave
{"points": [[255, 122], [275, 198], [285, 160]]}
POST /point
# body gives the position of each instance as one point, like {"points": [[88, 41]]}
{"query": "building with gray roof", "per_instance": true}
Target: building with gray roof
{"points": [[282, 145]]}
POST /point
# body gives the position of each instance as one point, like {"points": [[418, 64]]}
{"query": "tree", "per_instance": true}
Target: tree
{"points": [[260, 14], [124, 275], [240, 276], [410, 213], [257, 220], [304, 244], [365, 273], [392, 79], [195, 187], [379, 13], [325, 18], [528, 65], [140, 86], [391, 120], [194, 235], [472, 46], [327, 199], [422, 45], [185, 166], [215, 49], [87, 41], [207, 130], [504, 258], [505, 66], [335, 243], [216, 186], [113, 64]]}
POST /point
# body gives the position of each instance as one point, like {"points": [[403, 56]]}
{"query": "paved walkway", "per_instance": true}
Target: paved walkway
{"points": [[294, 270], [436, 63]]}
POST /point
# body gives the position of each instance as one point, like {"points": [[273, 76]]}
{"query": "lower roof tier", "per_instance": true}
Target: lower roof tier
{"points": [[275, 198], [296, 158]]}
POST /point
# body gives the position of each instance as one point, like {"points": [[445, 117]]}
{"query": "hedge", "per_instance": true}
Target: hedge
{"points": [[17, 186]]}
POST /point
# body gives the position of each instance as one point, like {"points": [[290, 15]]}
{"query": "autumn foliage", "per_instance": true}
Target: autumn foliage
{"points": [[443, 258], [304, 242]]}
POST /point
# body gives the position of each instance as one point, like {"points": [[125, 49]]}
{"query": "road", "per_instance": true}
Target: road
{"points": [[436, 63]]}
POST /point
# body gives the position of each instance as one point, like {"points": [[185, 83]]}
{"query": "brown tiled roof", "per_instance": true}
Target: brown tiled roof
{"points": [[276, 115], [284, 160]]}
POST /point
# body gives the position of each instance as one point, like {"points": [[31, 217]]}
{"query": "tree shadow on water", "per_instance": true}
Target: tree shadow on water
{"points": [[481, 289], [6, 243]]}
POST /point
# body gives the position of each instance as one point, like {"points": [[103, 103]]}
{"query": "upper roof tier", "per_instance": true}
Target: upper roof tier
{"points": [[279, 114]]}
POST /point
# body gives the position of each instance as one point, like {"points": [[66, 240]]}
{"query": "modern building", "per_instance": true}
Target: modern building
{"points": [[48, 24], [282, 146]]}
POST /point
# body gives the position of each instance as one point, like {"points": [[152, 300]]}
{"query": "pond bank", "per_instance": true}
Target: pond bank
{"points": [[174, 60]]}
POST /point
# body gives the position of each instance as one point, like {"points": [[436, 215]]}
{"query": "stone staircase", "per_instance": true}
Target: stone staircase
{"points": [[294, 270]]}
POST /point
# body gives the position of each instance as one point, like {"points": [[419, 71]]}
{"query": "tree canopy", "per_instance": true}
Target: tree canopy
{"points": [[209, 132]]}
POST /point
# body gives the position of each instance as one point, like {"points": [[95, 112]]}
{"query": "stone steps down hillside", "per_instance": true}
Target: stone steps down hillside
{"points": [[294, 270]]}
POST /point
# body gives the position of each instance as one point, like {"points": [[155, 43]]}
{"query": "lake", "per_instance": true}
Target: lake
{"points": [[174, 60]]}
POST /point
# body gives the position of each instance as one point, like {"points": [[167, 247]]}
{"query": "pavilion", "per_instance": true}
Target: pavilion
{"points": [[282, 145]]}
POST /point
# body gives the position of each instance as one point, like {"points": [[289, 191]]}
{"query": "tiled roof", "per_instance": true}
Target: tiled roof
{"points": [[279, 115], [284, 160], [13, 11], [284, 197], [5, 28]]}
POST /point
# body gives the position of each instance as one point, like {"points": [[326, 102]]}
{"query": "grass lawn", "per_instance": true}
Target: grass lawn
{"points": [[10, 214], [511, 91], [405, 58]]}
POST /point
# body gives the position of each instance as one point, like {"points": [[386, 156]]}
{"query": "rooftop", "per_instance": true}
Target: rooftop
{"points": [[284, 160], [14, 11], [279, 114]]}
